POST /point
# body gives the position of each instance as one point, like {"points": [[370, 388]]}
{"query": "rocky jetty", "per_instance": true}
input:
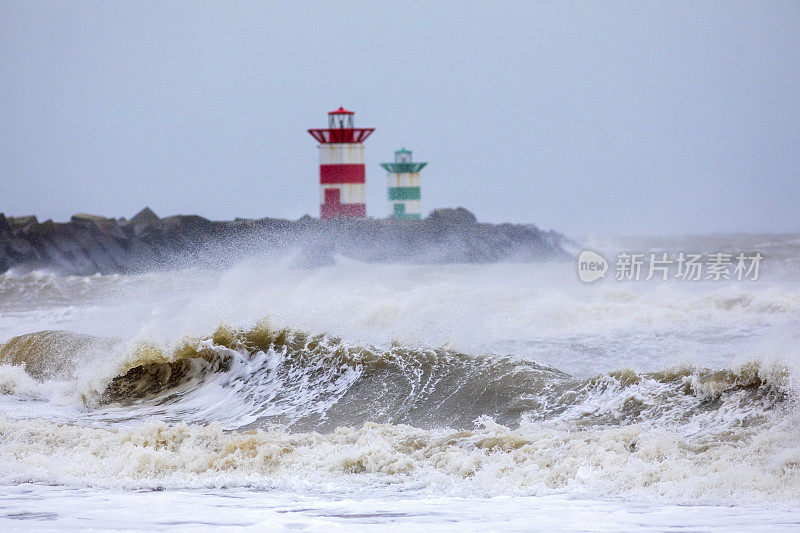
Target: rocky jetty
{"points": [[89, 244]]}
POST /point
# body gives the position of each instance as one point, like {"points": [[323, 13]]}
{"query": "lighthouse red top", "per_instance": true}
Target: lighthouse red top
{"points": [[341, 129]]}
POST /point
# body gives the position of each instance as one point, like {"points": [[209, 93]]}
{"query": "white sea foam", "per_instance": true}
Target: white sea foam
{"points": [[672, 393], [633, 461]]}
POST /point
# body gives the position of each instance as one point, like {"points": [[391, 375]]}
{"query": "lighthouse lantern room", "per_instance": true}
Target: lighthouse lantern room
{"points": [[342, 174]]}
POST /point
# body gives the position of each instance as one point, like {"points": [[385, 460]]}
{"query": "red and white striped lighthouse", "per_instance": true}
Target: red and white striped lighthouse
{"points": [[342, 174]]}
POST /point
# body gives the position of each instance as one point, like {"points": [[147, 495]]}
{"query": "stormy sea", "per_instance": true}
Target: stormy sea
{"points": [[417, 397]]}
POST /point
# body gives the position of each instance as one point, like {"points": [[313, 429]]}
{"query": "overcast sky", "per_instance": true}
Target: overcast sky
{"points": [[605, 117]]}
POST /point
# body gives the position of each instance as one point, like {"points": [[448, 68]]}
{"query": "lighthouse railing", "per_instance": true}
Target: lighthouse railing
{"points": [[339, 135]]}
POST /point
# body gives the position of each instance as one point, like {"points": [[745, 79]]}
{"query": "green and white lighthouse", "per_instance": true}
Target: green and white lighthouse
{"points": [[404, 189]]}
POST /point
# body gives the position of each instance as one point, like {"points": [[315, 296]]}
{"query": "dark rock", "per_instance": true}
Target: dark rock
{"points": [[145, 216], [86, 217], [108, 226], [21, 222], [455, 217], [90, 243]]}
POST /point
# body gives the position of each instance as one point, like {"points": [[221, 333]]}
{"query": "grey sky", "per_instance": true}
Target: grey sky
{"points": [[585, 117]]}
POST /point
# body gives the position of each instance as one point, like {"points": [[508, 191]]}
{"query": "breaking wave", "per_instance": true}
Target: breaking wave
{"points": [[316, 382], [271, 407]]}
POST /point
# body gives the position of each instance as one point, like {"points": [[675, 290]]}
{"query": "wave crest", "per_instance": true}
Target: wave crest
{"points": [[261, 376]]}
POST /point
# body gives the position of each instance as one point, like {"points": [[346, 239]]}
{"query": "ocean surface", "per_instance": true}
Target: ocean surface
{"points": [[356, 396]]}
